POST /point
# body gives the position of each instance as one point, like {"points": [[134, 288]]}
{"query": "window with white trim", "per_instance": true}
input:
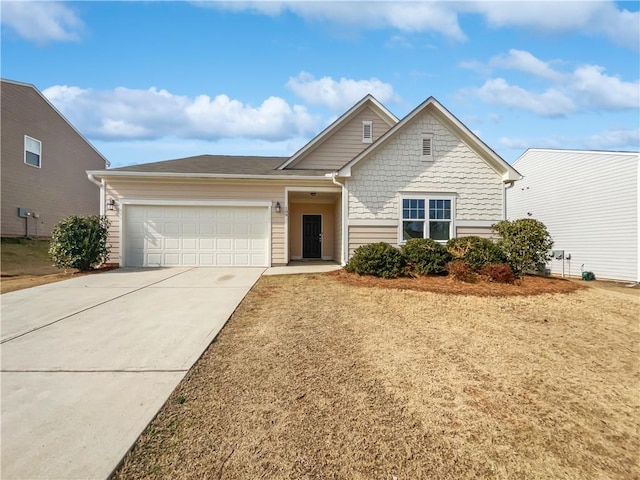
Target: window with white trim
{"points": [[32, 151], [427, 218], [367, 131], [427, 146]]}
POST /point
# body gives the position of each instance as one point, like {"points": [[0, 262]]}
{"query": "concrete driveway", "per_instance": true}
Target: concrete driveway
{"points": [[88, 362]]}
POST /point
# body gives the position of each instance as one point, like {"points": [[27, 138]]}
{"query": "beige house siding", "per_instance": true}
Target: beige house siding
{"points": [[362, 235], [484, 232], [344, 144], [202, 190], [296, 211], [398, 166], [60, 187]]}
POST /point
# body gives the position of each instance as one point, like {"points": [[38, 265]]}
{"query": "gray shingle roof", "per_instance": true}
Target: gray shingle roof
{"points": [[221, 164]]}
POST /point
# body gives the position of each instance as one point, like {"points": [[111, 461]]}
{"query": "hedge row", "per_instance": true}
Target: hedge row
{"points": [[522, 245]]}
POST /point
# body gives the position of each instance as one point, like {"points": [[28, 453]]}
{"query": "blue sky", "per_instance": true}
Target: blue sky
{"points": [[149, 81]]}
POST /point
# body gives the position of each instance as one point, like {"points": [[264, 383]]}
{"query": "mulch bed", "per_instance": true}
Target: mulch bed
{"points": [[528, 285]]}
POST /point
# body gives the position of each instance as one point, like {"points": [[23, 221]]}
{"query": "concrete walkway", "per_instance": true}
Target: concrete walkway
{"points": [[296, 267], [88, 362]]}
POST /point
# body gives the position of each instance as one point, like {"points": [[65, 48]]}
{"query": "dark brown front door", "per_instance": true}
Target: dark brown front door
{"points": [[311, 236]]}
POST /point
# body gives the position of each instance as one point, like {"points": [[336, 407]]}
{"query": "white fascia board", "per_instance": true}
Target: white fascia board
{"points": [[194, 203], [108, 174]]}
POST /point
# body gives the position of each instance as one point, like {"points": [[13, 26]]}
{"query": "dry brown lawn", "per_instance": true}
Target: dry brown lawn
{"points": [[314, 378]]}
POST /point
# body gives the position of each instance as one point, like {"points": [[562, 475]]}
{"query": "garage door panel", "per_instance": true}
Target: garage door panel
{"points": [[192, 236], [190, 243]]}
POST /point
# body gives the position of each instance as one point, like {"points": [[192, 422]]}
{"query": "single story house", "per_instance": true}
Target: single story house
{"points": [[588, 201], [368, 177]]}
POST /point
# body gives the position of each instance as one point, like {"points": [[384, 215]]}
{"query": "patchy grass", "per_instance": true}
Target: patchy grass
{"points": [[21, 256], [315, 379], [25, 263]]}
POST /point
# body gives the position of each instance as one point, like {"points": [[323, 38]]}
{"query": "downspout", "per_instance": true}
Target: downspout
{"points": [[101, 184], [344, 199], [507, 186]]}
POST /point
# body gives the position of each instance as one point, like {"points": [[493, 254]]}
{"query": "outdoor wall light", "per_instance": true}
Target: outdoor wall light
{"points": [[111, 204], [278, 207]]}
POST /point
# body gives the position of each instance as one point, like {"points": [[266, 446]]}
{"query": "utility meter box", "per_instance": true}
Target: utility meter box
{"points": [[23, 212], [558, 254]]}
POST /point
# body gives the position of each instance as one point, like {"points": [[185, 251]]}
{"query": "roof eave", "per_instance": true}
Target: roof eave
{"points": [[385, 114], [113, 174]]}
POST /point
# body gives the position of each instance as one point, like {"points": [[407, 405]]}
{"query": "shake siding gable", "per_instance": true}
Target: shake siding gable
{"points": [[398, 166], [344, 144]]}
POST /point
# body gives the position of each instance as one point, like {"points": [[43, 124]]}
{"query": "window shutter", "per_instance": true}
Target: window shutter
{"points": [[367, 132]]}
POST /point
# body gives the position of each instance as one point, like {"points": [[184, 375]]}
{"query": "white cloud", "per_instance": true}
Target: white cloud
{"points": [[611, 139], [525, 62], [593, 17], [598, 90], [41, 22], [588, 87], [602, 18], [341, 94], [407, 16], [514, 143], [551, 103], [125, 113], [614, 139]]}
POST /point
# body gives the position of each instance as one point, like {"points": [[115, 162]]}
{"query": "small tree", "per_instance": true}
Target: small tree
{"points": [[525, 242], [80, 242]]}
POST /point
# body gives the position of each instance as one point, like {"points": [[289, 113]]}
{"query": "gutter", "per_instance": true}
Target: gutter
{"points": [[106, 173], [507, 186]]}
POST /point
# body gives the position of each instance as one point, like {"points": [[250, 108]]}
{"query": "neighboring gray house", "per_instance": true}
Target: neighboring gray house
{"points": [[368, 177], [589, 202], [44, 160]]}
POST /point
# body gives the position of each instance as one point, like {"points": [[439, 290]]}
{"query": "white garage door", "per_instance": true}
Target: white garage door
{"points": [[196, 236]]}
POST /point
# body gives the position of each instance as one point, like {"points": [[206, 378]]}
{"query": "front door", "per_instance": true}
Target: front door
{"points": [[311, 236]]}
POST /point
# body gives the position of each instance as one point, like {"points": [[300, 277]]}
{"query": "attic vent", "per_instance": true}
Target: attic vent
{"points": [[367, 131], [427, 146]]}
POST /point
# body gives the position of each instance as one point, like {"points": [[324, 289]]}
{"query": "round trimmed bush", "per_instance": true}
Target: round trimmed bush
{"points": [[475, 251], [80, 242], [377, 259], [426, 256]]}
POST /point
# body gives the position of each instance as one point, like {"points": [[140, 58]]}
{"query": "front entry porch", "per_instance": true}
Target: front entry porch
{"points": [[314, 225]]}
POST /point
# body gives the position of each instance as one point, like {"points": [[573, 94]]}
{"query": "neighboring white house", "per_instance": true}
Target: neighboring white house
{"points": [[589, 202]]}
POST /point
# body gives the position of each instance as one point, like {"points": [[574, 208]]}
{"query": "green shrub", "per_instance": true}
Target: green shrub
{"points": [[475, 251], [426, 256], [80, 242], [526, 244], [377, 259], [498, 273], [461, 271]]}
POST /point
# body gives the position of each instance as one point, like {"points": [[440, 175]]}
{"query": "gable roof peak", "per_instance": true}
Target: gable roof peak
{"points": [[495, 161], [367, 100]]}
